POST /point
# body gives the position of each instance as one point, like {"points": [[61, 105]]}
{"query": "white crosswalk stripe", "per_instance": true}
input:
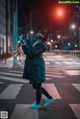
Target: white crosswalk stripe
{"points": [[77, 86], [47, 62], [52, 90], [66, 62], [14, 79], [11, 91], [1, 82], [54, 73], [24, 111], [58, 62], [69, 62], [75, 62], [20, 72], [10, 74], [73, 72], [13, 75], [76, 109]]}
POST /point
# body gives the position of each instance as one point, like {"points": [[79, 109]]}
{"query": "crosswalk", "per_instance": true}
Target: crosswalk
{"points": [[60, 60], [16, 83], [69, 62], [16, 76], [24, 111], [11, 91], [76, 109]]}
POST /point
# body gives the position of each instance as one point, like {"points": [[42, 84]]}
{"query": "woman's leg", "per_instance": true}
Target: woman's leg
{"points": [[46, 93], [40, 90], [38, 93]]}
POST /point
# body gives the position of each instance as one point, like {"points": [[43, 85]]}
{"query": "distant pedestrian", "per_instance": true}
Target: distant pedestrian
{"points": [[20, 52], [34, 68]]}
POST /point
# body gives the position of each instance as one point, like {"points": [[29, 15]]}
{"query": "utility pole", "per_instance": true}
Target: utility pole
{"points": [[31, 27], [15, 29], [6, 30], [30, 24], [79, 37]]}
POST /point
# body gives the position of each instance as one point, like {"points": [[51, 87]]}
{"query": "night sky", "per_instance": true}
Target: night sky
{"points": [[44, 15]]}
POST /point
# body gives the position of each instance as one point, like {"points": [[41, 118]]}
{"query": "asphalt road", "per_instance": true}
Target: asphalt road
{"points": [[62, 82]]}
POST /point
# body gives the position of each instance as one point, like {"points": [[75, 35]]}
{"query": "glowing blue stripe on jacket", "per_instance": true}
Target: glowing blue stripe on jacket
{"points": [[36, 42]]}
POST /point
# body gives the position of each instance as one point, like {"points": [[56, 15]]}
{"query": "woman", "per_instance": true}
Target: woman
{"points": [[34, 68]]}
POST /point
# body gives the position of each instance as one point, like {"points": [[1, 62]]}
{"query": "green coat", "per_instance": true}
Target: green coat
{"points": [[34, 68]]}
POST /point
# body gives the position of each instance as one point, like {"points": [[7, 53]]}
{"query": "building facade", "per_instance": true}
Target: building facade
{"points": [[5, 42]]}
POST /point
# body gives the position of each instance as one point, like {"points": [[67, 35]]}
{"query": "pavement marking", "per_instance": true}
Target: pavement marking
{"points": [[66, 62], [52, 69], [75, 62], [11, 91], [47, 62], [73, 72], [48, 78], [77, 86], [17, 79], [71, 62], [11, 74], [1, 82], [56, 76], [53, 72], [14, 79], [58, 62], [21, 72], [24, 111], [51, 88], [76, 109]]}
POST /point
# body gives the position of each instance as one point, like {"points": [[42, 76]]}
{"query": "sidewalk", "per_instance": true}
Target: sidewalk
{"points": [[9, 63]]}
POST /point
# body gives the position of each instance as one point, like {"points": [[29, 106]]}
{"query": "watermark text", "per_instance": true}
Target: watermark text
{"points": [[69, 2]]}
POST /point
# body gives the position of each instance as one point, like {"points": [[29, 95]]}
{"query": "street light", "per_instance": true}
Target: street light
{"points": [[31, 32], [58, 36], [73, 26], [48, 43], [60, 12], [56, 46], [49, 46], [51, 41], [31, 12]]}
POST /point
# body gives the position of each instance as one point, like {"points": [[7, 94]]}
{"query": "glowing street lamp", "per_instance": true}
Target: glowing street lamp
{"points": [[58, 36], [76, 46], [31, 32], [56, 46], [60, 12], [51, 41], [48, 43], [73, 26]]}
